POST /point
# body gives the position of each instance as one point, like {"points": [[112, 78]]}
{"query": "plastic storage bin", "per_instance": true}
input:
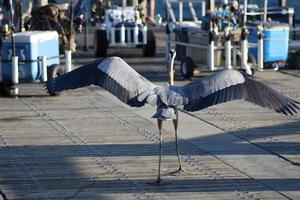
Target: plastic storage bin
{"points": [[30, 46], [276, 41]]}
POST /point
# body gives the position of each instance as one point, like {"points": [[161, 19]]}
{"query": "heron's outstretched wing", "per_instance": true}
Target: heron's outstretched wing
{"points": [[112, 74], [228, 85]]}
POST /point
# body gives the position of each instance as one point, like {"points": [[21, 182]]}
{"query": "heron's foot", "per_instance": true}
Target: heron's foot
{"points": [[159, 182], [179, 171], [156, 183]]}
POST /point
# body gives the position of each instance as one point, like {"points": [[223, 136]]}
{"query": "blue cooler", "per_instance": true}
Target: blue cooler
{"points": [[276, 41], [30, 47]]}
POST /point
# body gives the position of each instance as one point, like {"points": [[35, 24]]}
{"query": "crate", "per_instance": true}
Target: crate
{"points": [[30, 47], [276, 41]]}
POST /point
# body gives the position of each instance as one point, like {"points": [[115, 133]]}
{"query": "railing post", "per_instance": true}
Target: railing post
{"points": [[260, 48], [228, 49], [211, 52], [144, 34], [15, 70], [244, 50], [15, 76], [112, 36], [68, 61], [44, 66], [122, 34]]}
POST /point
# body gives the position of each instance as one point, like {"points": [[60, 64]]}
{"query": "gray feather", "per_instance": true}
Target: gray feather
{"points": [[126, 84], [228, 85]]}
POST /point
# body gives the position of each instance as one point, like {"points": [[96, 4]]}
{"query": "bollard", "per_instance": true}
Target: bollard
{"points": [[68, 61], [136, 35], [15, 70], [144, 34], [112, 39], [44, 66], [122, 34]]}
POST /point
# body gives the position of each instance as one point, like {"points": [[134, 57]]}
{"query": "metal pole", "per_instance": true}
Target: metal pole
{"points": [[170, 11], [11, 13], [86, 43], [180, 2], [168, 31], [71, 25], [21, 17], [193, 12], [265, 10], [245, 12], [203, 8]]}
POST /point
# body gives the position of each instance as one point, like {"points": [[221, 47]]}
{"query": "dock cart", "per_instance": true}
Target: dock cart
{"points": [[207, 41], [33, 56], [122, 26]]}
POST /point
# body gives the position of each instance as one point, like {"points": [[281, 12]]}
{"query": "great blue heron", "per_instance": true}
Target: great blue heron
{"points": [[117, 77]]}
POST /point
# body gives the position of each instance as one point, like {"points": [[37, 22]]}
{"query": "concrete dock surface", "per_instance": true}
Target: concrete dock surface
{"points": [[86, 144]]}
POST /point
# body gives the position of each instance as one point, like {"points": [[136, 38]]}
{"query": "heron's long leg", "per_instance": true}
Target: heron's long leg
{"points": [[180, 169], [159, 123]]}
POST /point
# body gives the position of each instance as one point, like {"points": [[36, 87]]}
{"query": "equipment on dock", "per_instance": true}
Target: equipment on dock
{"points": [[122, 26], [213, 39], [30, 56]]}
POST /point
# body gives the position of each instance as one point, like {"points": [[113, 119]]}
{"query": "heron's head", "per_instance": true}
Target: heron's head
{"points": [[172, 54]]}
